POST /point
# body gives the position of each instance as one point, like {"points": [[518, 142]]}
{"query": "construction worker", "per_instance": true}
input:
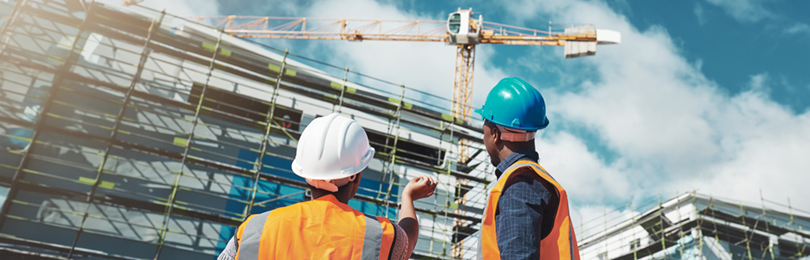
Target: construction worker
{"points": [[332, 153], [527, 210]]}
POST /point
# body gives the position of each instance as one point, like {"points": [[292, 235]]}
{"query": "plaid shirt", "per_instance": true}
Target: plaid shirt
{"points": [[526, 209]]}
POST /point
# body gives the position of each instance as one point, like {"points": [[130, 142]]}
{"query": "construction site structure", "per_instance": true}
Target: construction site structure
{"points": [[697, 226], [130, 133]]}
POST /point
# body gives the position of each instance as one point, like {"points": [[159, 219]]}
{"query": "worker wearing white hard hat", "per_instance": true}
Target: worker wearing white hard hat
{"points": [[331, 155]]}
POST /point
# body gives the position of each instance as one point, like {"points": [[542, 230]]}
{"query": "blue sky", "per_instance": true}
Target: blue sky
{"points": [[710, 95]]}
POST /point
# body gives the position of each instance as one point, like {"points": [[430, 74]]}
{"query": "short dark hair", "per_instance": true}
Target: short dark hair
{"points": [[492, 127]]}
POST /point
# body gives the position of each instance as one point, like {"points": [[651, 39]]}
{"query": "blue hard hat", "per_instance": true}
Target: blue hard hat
{"points": [[515, 104]]}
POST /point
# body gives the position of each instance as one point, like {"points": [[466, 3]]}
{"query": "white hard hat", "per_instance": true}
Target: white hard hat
{"points": [[332, 147]]}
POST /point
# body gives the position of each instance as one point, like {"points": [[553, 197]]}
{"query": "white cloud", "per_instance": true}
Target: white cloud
{"points": [[700, 14], [798, 28], [759, 82], [582, 172], [743, 10], [670, 127]]}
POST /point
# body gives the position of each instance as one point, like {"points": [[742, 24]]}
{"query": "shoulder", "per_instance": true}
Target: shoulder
{"points": [[525, 177], [293, 209], [272, 216], [525, 183]]}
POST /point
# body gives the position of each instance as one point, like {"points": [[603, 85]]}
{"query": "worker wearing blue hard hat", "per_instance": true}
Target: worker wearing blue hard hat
{"points": [[527, 210]]}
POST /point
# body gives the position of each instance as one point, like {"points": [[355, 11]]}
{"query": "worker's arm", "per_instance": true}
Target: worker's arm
{"points": [[519, 220], [419, 187], [229, 253]]}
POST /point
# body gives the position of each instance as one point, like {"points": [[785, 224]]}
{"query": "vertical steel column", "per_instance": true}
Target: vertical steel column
{"points": [[173, 196], [714, 226], [790, 210], [635, 250], [660, 224], [398, 115], [128, 96], [458, 247], [264, 145], [46, 107], [747, 240], [385, 165], [767, 227], [448, 167], [681, 244], [342, 91]]}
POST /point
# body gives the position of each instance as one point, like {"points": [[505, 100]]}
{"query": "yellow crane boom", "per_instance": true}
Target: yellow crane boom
{"points": [[380, 30], [461, 29]]}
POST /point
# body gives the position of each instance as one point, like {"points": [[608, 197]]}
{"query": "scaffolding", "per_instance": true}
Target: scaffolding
{"points": [[135, 134], [697, 226]]}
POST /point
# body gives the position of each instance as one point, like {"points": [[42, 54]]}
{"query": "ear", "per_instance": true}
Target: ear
{"points": [[496, 135], [356, 184], [357, 179]]}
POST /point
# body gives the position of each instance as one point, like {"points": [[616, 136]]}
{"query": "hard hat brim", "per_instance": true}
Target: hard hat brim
{"points": [[337, 174], [480, 111]]}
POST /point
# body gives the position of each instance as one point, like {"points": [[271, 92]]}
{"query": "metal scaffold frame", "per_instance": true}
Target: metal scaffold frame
{"points": [[696, 226], [163, 138]]}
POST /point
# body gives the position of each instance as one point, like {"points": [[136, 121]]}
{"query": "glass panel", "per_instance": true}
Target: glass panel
{"points": [[454, 22]]}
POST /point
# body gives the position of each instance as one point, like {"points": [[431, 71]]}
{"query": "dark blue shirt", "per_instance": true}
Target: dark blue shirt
{"points": [[526, 209]]}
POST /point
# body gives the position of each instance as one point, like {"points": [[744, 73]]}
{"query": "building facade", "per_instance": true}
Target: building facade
{"points": [[697, 226], [129, 133]]}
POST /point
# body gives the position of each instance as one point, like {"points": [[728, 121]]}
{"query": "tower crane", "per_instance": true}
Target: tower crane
{"points": [[461, 29]]}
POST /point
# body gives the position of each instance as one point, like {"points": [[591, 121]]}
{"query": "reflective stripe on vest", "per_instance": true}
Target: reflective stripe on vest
{"points": [[252, 237], [561, 243], [373, 239], [321, 228]]}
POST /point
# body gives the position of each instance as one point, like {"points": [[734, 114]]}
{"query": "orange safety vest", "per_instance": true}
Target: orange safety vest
{"points": [[323, 228], [561, 243]]}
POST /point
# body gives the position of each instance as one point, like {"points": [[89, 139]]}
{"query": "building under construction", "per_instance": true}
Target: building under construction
{"points": [[135, 134], [697, 226]]}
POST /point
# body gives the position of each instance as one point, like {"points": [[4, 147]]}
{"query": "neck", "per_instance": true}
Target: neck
{"points": [[510, 148], [341, 195]]}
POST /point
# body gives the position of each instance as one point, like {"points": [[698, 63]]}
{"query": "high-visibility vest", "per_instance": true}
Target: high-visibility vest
{"points": [[323, 228], [561, 243]]}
